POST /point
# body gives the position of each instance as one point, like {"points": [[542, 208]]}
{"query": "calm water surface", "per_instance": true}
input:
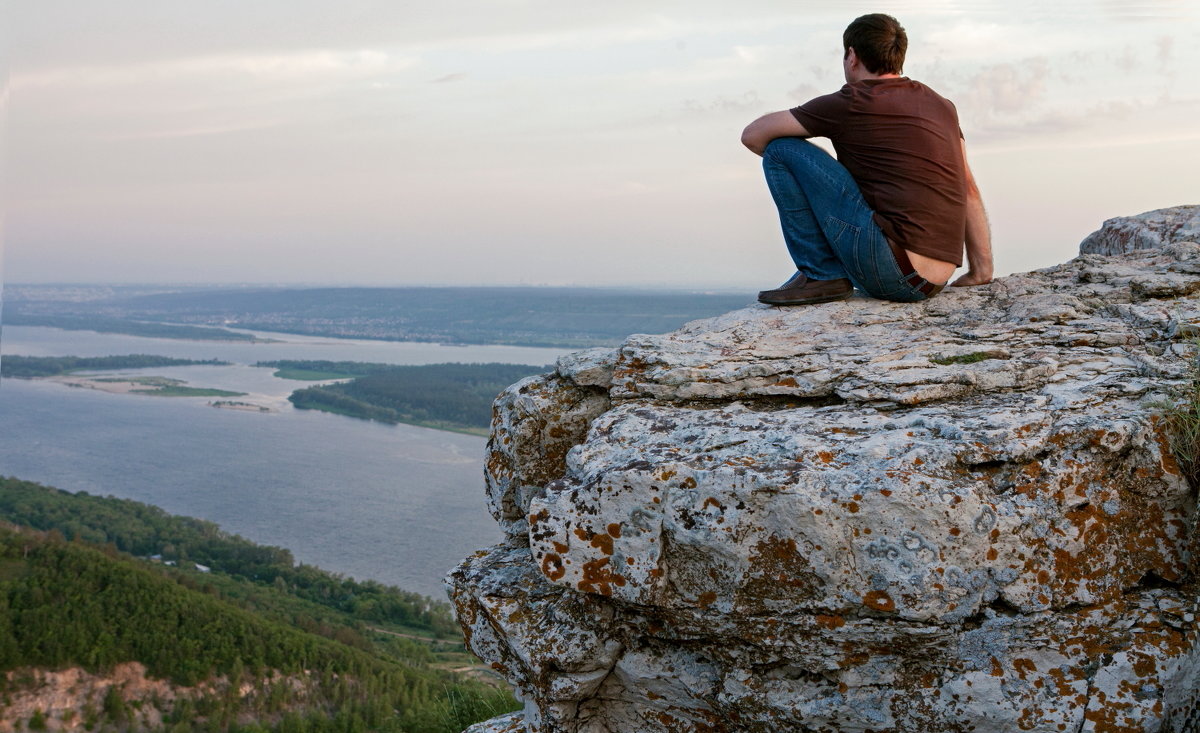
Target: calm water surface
{"points": [[398, 504]]}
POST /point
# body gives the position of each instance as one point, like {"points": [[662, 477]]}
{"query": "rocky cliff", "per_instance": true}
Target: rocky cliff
{"points": [[963, 514]]}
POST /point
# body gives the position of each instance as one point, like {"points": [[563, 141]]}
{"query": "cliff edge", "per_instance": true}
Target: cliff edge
{"points": [[962, 514]]}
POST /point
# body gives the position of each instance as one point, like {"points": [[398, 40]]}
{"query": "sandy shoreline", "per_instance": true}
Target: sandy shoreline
{"points": [[115, 387]]}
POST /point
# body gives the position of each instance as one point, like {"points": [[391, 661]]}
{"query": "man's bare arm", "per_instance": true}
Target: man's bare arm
{"points": [[978, 237], [768, 127]]}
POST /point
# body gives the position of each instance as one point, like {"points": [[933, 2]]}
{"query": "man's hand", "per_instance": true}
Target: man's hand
{"points": [[768, 127], [969, 278]]}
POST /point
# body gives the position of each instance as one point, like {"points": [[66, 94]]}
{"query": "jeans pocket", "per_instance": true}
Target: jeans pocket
{"points": [[842, 235], [844, 240]]}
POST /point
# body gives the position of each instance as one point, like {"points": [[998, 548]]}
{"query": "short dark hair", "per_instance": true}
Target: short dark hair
{"points": [[879, 41]]}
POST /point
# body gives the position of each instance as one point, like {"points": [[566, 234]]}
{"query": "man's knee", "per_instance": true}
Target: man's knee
{"points": [[788, 146]]}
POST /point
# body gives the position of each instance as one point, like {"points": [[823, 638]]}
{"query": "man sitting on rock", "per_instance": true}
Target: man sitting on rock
{"points": [[891, 214]]}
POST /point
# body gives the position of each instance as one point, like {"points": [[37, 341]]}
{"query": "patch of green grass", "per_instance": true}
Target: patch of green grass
{"points": [[147, 381], [167, 387], [971, 358], [180, 391], [1182, 411]]}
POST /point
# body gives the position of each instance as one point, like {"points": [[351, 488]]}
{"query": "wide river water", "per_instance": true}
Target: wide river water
{"points": [[394, 503]]}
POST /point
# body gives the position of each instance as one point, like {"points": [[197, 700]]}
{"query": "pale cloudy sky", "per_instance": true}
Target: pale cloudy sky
{"points": [[540, 141]]}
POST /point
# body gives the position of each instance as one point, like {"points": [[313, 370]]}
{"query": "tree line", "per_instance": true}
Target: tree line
{"points": [[17, 314], [49, 366], [454, 396]]}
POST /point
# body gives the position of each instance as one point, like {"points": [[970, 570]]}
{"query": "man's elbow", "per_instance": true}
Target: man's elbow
{"points": [[753, 141]]}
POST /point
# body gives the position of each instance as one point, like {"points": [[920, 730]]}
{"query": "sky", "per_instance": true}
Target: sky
{"points": [[539, 142]]}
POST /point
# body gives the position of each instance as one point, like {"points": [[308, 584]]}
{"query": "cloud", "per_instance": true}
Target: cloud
{"points": [[1127, 61], [1003, 89], [302, 66], [1105, 123], [805, 92], [182, 132], [746, 102], [448, 78], [1166, 47]]}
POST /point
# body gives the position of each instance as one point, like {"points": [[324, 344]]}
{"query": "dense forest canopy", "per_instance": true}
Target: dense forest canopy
{"points": [[67, 604], [451, 396], [145, 530]]}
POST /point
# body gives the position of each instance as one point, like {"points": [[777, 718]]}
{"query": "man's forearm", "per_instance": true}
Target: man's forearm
{"points": [[761, 132], [978, 238], [979, 243]]}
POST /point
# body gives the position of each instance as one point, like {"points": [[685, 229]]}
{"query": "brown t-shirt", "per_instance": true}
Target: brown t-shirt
{"points": [[900, 141]]}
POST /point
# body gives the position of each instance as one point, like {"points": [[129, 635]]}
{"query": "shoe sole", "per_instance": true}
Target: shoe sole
{"points": [[806, 301]]}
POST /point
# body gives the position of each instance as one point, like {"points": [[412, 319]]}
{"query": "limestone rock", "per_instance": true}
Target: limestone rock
{"points": [[511, 723], [1144, 231], [961, 514], [535, 422]]}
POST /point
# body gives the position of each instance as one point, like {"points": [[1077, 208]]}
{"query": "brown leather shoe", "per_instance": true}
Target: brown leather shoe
{"points": [[800, 290]]}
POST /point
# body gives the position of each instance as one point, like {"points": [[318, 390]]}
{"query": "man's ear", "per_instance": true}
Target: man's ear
{"points": [[851, 57]]}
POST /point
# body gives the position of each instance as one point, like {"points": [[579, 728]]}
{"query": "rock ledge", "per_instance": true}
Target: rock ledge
{"points": [[962, 514]]}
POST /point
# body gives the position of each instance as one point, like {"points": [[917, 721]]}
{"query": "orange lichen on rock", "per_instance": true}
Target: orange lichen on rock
{"points": [[879, 600], [603, 542], [1023, 666], [598, 577], [552, 567]]}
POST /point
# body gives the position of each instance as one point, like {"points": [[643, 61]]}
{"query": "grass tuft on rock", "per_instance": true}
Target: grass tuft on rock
{"points": [[1182, 411], [971, 358]]}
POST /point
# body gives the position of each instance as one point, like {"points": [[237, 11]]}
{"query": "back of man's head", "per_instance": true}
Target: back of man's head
{"points": [[879, 41]]}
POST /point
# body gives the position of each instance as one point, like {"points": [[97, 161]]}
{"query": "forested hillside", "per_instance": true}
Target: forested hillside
{"points": [[145, 530], [65, 604], [245, 647]]}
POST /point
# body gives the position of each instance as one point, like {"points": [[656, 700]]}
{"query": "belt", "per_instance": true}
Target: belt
{"points": [[911, 276]]}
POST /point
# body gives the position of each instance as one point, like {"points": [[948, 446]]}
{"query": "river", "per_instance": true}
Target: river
{"points": [[394, 503]]}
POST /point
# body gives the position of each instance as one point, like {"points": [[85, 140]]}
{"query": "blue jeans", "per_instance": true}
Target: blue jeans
{"points": [[829, 229]]}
